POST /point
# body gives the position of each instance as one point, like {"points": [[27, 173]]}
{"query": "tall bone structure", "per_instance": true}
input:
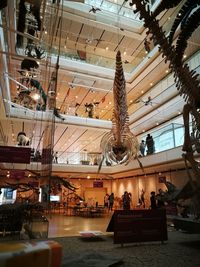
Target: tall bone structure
{"points": [[119, 145], [186, 80]]}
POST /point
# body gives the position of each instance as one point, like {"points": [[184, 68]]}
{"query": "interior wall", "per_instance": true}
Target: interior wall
{"points": [[135, 185], [84, 184], [93, 195]]}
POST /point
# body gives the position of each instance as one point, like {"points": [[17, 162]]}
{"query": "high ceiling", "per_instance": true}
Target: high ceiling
{"points": [[85, 36]]}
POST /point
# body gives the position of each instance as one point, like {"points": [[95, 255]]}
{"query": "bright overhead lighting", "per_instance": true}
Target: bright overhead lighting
{"points": [[107, 48], [184, 56], [36, 96]]}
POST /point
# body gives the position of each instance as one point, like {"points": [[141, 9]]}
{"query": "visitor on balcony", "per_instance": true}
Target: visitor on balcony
{"points": [[142, 148], [150, 144]]}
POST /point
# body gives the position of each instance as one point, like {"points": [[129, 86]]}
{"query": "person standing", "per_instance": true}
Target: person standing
{"points": [[153, 201], [150, 144], [56, 157], [142, 147], [160, 199], [106, 201], [142, 198], [111, 201], [126, 200]]}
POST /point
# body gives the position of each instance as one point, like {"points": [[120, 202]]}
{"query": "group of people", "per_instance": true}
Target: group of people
{"points": [[149, 144], [157, 201], [109, 201], [126, 200]]}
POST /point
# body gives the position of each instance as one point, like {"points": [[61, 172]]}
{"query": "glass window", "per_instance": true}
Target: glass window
{"points": [[8, 193]]}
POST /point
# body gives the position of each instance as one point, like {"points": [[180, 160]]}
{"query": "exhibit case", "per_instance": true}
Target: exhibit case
{"points": [[39, 227]]}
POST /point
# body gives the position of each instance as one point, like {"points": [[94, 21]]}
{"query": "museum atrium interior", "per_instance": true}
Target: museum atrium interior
{"points": [[78, 41]]}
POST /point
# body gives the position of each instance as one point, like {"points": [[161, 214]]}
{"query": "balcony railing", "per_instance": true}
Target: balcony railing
{"points": [[166, 138]]}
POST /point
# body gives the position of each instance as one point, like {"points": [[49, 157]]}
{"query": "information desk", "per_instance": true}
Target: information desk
{"points": [[139, 226]]}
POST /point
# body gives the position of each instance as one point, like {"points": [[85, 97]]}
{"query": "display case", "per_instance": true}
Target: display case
{"points": [[39, 227]]}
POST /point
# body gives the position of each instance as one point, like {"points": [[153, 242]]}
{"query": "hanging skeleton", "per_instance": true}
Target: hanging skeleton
{"points": [[119, 145], [21, 25]]}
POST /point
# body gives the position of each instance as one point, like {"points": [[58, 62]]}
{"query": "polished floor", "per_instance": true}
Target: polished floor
{"points": [[63, 225]]}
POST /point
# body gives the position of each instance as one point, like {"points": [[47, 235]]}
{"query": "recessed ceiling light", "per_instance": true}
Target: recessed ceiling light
{"points": [[143, 131], [142, 92], [131, 101], [107, 48], [167, 71], [124, 53], [151, 84], [184, 56]]}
